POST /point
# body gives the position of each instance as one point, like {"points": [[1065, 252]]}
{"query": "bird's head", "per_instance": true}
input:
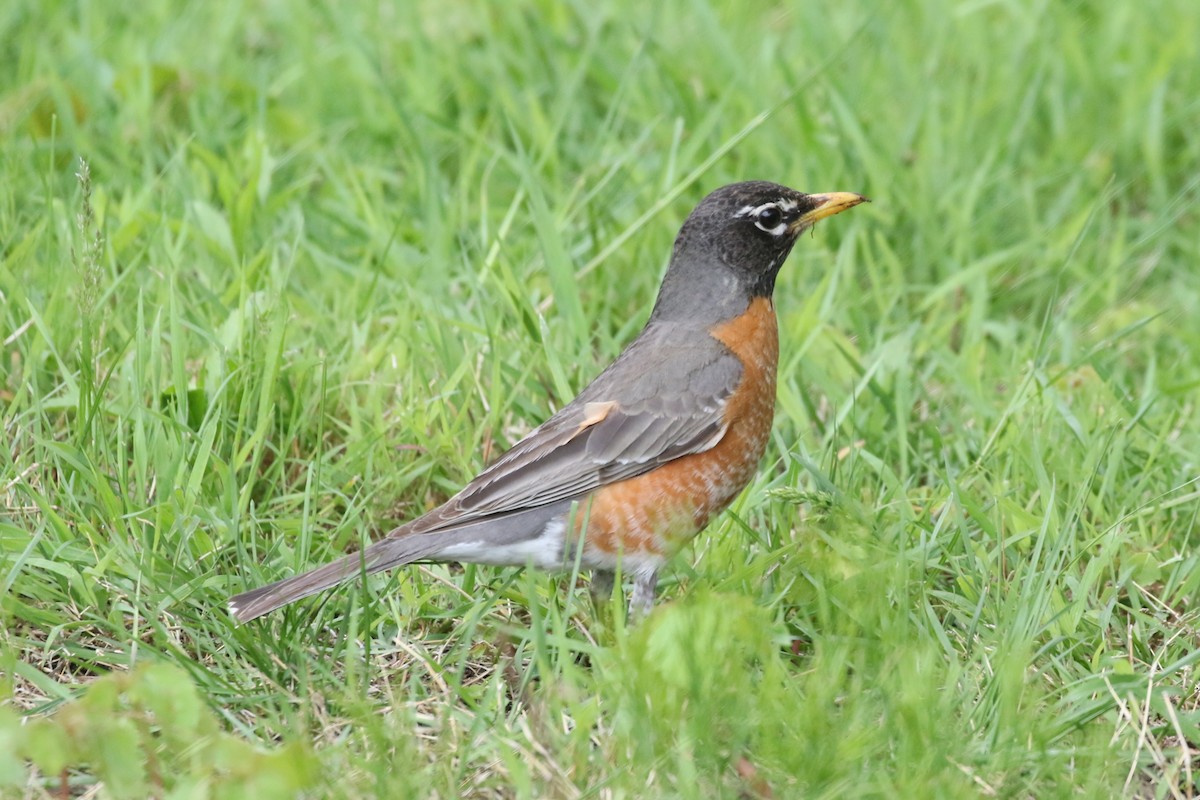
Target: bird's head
{"points": [[742, 233]]}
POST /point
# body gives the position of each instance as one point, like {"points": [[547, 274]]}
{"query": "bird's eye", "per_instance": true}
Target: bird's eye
{"points": [[769, 219]]}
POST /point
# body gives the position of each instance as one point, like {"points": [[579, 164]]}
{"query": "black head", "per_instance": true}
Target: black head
{"points": [[736, 240]]}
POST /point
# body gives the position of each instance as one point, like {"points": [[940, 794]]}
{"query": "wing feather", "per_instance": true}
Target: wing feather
{"points": [[600, 439]]}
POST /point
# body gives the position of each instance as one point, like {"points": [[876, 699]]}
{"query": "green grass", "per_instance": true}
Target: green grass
{"points": [[330, 258]]}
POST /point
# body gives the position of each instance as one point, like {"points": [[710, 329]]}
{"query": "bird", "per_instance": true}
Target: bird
{"points": [[649, 452]]}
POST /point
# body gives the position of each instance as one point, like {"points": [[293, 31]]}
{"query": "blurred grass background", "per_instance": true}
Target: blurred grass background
{"points": [[322, 261]]}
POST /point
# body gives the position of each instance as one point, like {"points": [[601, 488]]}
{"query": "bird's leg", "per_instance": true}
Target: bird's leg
{"points": [[642, 599], [602, 584]]}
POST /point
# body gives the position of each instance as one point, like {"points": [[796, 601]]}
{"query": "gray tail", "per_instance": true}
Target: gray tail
{"points": [[381, 555], [400, 547]]}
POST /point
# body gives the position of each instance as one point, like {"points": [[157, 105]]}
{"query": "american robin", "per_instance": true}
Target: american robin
{"points": [[652, 449]]}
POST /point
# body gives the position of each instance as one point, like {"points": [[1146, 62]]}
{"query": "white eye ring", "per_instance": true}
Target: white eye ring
{"points": [[775, 224], [769, 219]]}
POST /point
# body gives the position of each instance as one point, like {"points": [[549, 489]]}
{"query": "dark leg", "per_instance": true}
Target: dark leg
{"points": [[602, 584], [642, 599]]}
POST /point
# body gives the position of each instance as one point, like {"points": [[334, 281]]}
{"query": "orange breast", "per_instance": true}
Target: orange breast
{"points": [[655, 513]]}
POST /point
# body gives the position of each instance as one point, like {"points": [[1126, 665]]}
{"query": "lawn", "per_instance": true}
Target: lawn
{"points": [[276, 276]]}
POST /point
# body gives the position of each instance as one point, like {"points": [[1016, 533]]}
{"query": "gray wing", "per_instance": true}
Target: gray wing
{"points": [[662, 399]]}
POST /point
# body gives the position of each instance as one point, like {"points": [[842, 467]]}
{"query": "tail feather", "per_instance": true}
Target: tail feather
{"points": [[382, 555], [491, 540]]}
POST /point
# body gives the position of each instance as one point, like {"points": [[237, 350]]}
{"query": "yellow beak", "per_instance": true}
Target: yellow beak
{"points": [[827, 205]]}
